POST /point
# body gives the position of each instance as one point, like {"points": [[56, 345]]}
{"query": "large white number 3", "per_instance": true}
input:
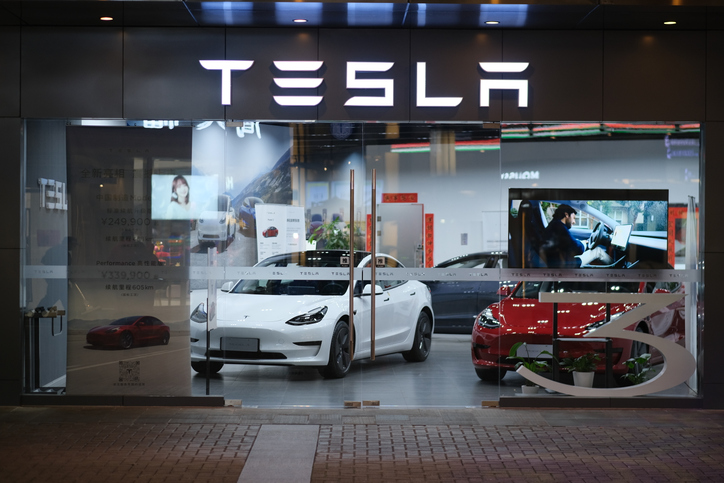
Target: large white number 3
{"points": [[679, 364]]}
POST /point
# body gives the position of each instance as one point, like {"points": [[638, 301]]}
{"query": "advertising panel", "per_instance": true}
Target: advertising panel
{"points": [[579, 228], [128, 328], [280, 229]]}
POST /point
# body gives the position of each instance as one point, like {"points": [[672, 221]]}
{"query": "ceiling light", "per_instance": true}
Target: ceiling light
{"points": [[300, 20], [492, 22], [670, 22], [106, 19]]}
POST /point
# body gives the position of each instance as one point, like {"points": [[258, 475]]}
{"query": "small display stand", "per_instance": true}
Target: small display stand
{"points": [[31, 338]]}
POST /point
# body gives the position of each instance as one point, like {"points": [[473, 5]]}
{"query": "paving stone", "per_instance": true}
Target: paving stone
{"points": [[428, 445]]}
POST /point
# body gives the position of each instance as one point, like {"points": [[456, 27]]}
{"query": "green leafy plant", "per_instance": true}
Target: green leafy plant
{"points": [[585, 363], [640, 368], [532, 364], [335, 236]]}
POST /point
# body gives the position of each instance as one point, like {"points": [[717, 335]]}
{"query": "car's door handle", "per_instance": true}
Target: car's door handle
{"points": [[413, 293], [354, 312]]}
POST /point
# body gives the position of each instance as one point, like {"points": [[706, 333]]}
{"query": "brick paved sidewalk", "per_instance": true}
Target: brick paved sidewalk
{"points": [[92, 444]]}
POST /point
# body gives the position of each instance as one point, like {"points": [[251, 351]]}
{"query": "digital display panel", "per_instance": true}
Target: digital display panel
{"points": [[579, 228], [620, 235], [183, 197]]}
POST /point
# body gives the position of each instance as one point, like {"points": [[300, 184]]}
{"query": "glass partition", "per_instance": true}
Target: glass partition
{"points": [[205, 257]]}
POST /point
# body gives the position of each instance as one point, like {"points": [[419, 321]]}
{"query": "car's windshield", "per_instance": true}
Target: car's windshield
{"points": [[222, 203], [125, 321], [310, 259], [468, 263]]}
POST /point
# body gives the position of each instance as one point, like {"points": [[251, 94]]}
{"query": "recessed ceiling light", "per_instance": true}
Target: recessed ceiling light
{"points": [[106, 19], [492, 22], [300, 20], [670, 22]]}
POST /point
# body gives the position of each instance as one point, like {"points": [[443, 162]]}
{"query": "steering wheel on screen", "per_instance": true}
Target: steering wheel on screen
{"points": [[598, 235]]}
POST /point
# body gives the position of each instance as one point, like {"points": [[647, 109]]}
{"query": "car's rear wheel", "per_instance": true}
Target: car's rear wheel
{"points": [[339, 354], [491, 375], [200, 366], [126, 340], [422, 341]]}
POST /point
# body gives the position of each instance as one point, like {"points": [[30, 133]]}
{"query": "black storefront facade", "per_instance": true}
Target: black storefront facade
{"points": [[74, 76]]}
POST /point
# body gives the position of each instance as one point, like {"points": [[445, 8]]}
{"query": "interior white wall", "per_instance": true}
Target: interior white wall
{"points": [[472, 200]]}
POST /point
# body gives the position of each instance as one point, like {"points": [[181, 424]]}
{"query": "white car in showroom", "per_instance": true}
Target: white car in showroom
{"points": [[217, 227], [306, 322]]}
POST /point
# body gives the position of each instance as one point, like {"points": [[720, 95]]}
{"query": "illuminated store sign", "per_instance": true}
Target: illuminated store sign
{"points": [[354, 82]]}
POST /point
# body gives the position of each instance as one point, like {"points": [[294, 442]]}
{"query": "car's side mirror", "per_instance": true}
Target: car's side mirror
{"points": [[367, 290], [504, 291], [227, 286]]}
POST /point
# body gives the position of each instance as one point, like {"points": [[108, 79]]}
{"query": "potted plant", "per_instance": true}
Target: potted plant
{"points": [[335, 236], [640, 368], [532, 364], [583, 368]]}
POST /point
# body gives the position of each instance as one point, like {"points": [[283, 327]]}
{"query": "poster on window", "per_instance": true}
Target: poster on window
{"points": [[128, 316], [280, 229]]}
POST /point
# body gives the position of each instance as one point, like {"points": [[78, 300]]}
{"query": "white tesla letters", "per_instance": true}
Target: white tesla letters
{"points": [[226, 66], [298, 83], [521, 85], [354, 82], [388, 85], [423, 100], [53, 194]]}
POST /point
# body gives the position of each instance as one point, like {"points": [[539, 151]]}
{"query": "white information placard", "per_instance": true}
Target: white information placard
{"points": [[279, 229]]}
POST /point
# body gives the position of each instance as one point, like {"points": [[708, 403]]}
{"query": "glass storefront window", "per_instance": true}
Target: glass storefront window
{"points": [[132, 226]]}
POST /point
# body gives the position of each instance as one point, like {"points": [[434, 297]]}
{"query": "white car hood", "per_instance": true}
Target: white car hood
{"points": [[248, 308]]}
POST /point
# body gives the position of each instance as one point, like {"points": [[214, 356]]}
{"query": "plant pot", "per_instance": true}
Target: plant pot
{"points": [[529, 389], [583, 379]]}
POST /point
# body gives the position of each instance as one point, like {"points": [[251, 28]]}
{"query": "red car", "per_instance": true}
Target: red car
{"points": [[130, 331], [520, 317], [270, 232]]}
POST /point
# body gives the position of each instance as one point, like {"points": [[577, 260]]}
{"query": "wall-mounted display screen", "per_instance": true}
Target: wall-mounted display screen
{"points": [[183, 197], [579, 228]]}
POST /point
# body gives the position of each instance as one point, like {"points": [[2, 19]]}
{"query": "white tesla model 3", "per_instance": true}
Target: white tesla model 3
{"points": [[306, 322]]}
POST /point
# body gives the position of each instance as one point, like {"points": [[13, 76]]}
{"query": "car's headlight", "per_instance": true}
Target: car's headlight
{"points": [[486, 320], [311, 317], [199, 314], [221, 221], [113, 329]]}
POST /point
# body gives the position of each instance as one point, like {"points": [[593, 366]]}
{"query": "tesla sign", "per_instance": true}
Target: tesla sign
{"points": [[53, 194], [355, 82]]}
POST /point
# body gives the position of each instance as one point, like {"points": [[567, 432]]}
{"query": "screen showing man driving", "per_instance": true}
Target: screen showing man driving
{"points": [[564, 228]]}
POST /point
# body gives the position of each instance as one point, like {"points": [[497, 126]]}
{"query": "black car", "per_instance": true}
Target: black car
{"points": [[456, 303]]}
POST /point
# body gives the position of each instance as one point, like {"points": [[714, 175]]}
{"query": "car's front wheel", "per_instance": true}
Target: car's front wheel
{"points": [[340, 358], [200, 366], [165, 337], [423, 340], [126, 340], [490, 375]]}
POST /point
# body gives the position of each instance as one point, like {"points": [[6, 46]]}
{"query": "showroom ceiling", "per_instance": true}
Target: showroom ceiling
{"points": [[523, 14]]}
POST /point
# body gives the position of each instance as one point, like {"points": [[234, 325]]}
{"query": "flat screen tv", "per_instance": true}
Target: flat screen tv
{"points": [[580, 228], [183, 197]]}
